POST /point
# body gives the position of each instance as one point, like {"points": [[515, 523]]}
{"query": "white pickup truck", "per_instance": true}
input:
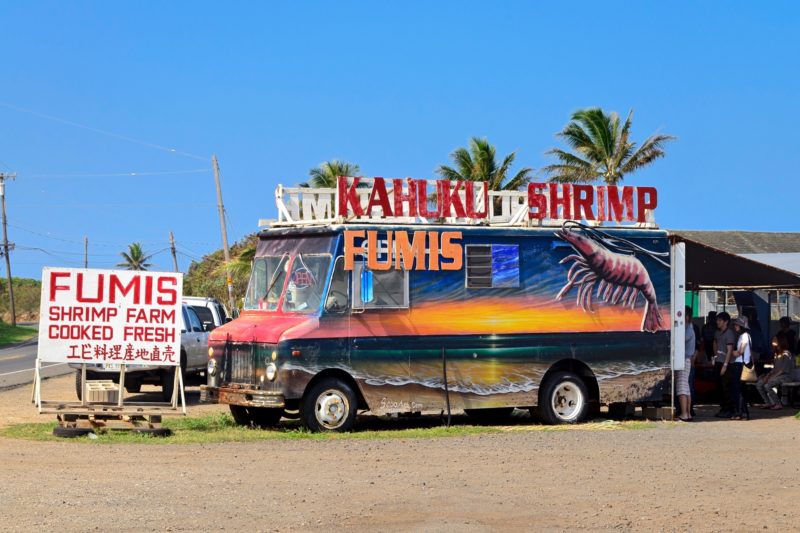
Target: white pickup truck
{"points": [[194, 360]]}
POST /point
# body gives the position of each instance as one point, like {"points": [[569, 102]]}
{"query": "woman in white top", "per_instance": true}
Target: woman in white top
{"points": [[739, 357]]}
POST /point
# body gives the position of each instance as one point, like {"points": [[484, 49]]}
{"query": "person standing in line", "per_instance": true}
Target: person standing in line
{"points": [[787, 331], [724, 342], [782, 370], [732, 367], [682, 388], [708, 332]]}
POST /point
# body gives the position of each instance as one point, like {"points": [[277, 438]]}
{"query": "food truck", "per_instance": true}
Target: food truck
{"points": [[412, 296]]}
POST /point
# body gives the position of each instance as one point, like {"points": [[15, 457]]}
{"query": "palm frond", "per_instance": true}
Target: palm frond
{"points": [[649, 151], [520, 179], [448, 173]]}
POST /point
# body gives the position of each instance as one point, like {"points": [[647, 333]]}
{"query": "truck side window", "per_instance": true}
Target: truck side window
{"points": [[337, 300], [492, 266], [390, 289], [194, 322]]}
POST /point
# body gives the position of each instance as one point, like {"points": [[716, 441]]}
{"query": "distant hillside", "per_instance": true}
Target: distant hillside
{"points": [[207, 276], [27, 293]]}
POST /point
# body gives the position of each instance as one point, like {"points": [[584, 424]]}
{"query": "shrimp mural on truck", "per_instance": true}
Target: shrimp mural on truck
{"points": [[620, 278], [396, 314]]}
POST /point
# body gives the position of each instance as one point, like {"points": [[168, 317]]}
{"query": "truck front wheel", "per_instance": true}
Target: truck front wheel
{"points": [[330, 405], [564, 399]]}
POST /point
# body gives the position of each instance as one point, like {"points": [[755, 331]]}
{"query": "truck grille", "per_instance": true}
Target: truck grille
{"points": [[240, 364]]}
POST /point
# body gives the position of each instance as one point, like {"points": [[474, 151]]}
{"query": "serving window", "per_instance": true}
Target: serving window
{"points": [[491, 266]]}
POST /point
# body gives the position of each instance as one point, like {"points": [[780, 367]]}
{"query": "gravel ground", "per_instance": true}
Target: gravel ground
{"points": [[707, 475]]}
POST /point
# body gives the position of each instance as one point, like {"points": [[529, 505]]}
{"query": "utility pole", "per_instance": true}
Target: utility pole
{"points": [[225, 250], [86, 252], [5, 245], [172, 248]]}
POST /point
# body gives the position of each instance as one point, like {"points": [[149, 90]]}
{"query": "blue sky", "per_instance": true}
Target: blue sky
{"points": [[275, 88]]}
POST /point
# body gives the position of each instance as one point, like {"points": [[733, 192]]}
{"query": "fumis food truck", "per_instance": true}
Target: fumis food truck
{"points": [[412, 296]]}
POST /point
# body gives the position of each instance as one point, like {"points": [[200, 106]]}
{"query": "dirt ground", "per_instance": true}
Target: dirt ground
{"points": [[705, 476]]}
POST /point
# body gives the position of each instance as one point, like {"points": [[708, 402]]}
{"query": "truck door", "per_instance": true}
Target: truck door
{"points": [[196, 342], [379, 355]]}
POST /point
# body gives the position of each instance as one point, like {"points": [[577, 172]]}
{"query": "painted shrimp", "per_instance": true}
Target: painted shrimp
{"points": [[619, 277]]}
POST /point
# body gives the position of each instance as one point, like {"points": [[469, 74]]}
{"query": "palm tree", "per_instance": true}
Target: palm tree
{"points": [[239, 267], [324, 176], [135, 258], [478, 163], [602, 149]]}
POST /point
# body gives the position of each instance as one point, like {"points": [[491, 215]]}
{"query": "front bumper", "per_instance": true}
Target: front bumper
{"points": [[245, 397]]}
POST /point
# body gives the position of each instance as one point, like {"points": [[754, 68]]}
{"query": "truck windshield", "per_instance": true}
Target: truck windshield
{"points": [[304, 290], [306, 283], [266, 282]]}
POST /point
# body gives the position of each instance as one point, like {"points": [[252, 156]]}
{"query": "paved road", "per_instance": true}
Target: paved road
{"points": [[17, 364]]}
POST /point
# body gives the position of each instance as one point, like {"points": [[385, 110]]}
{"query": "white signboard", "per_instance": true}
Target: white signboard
{"points": [[110, 317]]}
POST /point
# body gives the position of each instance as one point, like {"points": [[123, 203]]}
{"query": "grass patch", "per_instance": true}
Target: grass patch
{"points": [[10, 335], [220, 427]]}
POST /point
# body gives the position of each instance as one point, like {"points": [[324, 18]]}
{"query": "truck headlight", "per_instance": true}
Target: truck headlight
{"points": [[212, 367], [272, 371]]}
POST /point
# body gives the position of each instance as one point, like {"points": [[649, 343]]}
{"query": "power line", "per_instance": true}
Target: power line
{"points": [[113, 206], [103, 132], [73, 241], [132, 174]]}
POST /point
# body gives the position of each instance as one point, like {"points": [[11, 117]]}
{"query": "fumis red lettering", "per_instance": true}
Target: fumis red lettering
{"points": [[86, 299], [169, 296], [54, 286], [115, 285]]}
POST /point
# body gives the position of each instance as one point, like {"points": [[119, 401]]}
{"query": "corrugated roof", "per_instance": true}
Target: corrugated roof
{"points": [[745, 242]]}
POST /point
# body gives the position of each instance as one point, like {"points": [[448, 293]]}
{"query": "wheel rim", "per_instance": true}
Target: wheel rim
{"points": [[567, 401], [331, 409]]}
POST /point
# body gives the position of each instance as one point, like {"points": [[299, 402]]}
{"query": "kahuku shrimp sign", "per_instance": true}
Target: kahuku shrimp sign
{"points": [[110, 317], [388, 198]]}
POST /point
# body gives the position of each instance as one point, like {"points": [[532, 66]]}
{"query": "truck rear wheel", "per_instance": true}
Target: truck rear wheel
{"points": [[257, 417], [564, 399], [330, 405]]}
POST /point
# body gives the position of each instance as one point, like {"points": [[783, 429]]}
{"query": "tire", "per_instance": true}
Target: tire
{"points": [[291, 414], [168, 379], [493, 414], [329, 405], [256, 417], [70, 433], [564, 399]]}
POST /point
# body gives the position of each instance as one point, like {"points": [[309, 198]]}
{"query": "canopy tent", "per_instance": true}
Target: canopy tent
{"points": [[785, 261], [711, 268]]}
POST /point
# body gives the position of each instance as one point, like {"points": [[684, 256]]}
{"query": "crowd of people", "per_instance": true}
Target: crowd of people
{"points": [[729, 345]]}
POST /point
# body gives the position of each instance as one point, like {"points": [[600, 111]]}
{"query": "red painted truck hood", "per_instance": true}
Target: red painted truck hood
{"points": [[263, 327]]}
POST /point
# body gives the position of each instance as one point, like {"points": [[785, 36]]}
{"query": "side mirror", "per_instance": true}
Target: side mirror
{"points": [[366, 287], [208, 327]]}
